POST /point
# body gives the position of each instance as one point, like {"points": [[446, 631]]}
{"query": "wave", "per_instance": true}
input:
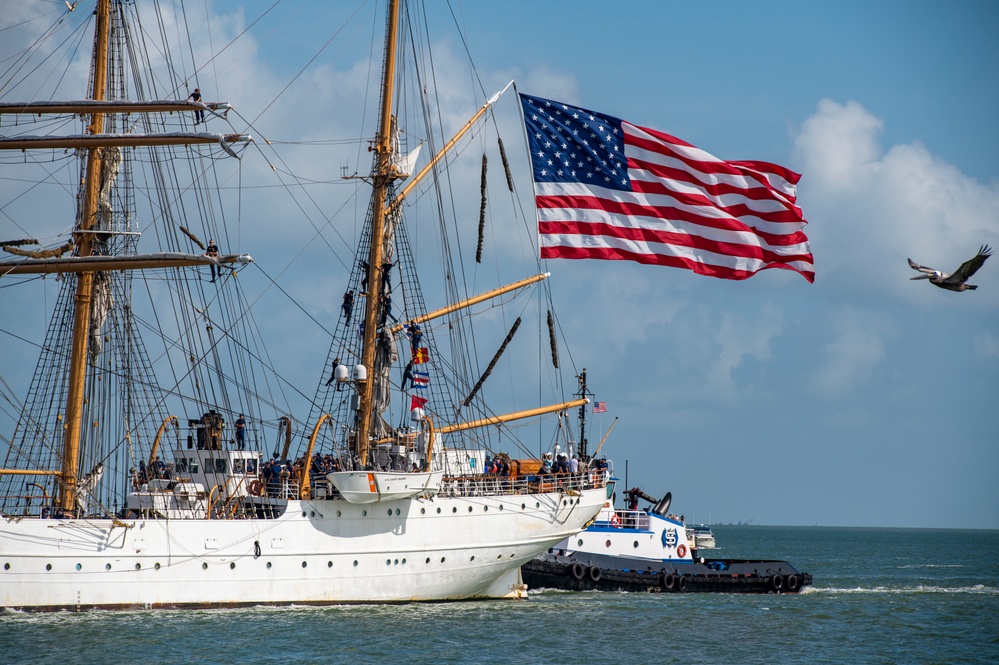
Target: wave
{"points": [[977, 589]]}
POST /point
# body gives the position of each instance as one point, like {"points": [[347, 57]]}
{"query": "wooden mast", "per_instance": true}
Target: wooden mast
{"points": [[381, 178], [85, 281]]}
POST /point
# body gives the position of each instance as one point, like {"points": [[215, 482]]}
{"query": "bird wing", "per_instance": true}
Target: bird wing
{"points": [[916, 266], [969, 267]]}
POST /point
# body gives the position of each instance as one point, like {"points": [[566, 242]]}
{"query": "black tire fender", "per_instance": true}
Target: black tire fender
{"points": [[577, 571], [594, 574]]}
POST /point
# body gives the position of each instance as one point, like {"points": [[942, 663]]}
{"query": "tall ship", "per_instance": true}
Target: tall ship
{"points": [[155, 463]]}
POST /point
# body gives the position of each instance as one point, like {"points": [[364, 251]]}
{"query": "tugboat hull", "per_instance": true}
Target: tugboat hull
{"points": [[713, 575]]}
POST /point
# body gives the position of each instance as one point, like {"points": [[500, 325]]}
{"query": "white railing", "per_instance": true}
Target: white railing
{"points": [[491, 485]]}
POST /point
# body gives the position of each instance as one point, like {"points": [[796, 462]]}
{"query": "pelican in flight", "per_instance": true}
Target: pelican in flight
{"points": [[957, 280]]}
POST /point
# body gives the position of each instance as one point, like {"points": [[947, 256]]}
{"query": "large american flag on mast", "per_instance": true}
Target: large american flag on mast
{"points": [[608, 189]]}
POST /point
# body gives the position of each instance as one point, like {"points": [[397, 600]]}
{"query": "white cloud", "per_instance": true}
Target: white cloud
{"points": [[869, 210], [850, 359]]}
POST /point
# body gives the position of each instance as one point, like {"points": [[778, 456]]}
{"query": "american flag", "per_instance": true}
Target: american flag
{"points": [[600, 407], [608, 189]]}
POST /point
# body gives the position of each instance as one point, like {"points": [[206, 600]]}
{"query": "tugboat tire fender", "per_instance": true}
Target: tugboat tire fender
{"points": [[669, 581], [793, 583], [577, 570], [777, 581], [681, 583], [594, 574]]}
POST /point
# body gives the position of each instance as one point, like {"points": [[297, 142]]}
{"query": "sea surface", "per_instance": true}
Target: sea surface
{"points": [[880, 596]]}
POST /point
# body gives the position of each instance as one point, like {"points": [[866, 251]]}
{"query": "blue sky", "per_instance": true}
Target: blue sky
{"points": [[863, 399]]}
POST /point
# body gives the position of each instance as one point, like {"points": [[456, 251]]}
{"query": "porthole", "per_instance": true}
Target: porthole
{"points": [[48, 566], [355, 563], [455, 509], [268, 565], [397, 511], [390, 512], [304, 564], [438, 511], [312, 513], [388, 562], [397, 562], [537, 504], [501, 506], [423, 511], [523, 506], [338, 513], [428, 559], [608, 543], [6, 566], [442, 559], [579, 543], [469, 509], [204, 566], [499, 556], [636, 544], [138, 566], [485, 509], [79, 566], [157, 566], [329, 564], [107, 566], [473, 558], [404, 562], [303, 513], [364, 513], [232, 565], [511, 556]]}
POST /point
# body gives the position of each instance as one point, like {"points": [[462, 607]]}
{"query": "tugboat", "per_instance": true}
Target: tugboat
{"points": [[651, 550]]}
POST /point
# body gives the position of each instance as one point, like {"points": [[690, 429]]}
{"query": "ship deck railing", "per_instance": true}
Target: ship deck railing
{"points": [[491, 485]]}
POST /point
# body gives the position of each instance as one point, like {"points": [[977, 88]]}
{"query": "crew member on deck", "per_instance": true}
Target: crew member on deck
{"points": [[241, 432]]}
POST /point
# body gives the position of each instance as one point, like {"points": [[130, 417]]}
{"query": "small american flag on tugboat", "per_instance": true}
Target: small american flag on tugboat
{"points": [[600, 407]]}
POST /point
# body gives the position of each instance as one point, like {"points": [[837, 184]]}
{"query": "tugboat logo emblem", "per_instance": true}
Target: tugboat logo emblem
{"points": [[669, 538]]}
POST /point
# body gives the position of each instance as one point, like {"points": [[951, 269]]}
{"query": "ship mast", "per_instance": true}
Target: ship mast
{"points": [[384, 173], [85, 281]]}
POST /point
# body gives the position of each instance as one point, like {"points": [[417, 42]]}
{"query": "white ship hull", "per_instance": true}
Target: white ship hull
{"points": [[318, 552]]}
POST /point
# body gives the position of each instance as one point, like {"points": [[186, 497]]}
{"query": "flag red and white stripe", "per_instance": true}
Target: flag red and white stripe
{"points": [[608, 189]]}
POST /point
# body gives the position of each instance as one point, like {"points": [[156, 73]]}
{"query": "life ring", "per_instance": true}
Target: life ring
{"points": [[577, 570], [777, 581], [681, 583], [254, 488], [594, 574], [681, 550], [615, 521], [793, 583], [669, 581]]}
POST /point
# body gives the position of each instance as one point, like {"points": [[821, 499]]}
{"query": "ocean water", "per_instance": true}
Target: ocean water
{"points": [[880, 596]]}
